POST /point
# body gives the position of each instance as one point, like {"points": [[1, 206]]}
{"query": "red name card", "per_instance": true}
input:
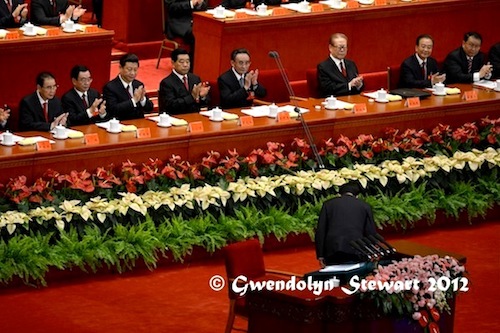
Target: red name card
{"points": [[279, 11], [359, 108], [352, 4], [283, 117], [246, 121], [91, 139], [317, 7], [412, 102], [380, 2], [195, 127], [143, 133], [53, 32], [91, 28], [470, 95], [240, 15], [12, 35], [43, 145]]}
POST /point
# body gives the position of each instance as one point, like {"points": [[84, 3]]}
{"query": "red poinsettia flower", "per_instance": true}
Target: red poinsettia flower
{"points": [[434, 327], [424, 318], [435, 313]]}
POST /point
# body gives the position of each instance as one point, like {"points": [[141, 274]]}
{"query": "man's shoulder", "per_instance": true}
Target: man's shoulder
{"points": [[112, 83]]}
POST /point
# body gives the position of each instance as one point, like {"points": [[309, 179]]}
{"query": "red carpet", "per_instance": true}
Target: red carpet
{"points": [[177, 298]]}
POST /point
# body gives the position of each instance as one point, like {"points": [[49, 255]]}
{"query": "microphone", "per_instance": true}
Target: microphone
{"points": [[360, 250], [379, 244], [380, 238], [375, 246], [275, 55], [363, 245]]}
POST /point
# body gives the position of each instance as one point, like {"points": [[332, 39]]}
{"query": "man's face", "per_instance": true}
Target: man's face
{"points": [[241, 63], [338, 47], [182, 64], [83, 82], [471, 46], [48, 90], [129, 71], [424, 48]]}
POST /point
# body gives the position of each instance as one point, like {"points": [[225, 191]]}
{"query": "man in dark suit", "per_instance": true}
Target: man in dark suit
{"points": [[494, 58], [342, 220], [54, 12], [124, 95], [239, 86], [4, 117], [180, 20], [421, 70], [181, 91], [83, 103], [13, 13], [42, 110], [467, 63], [338, 76]]}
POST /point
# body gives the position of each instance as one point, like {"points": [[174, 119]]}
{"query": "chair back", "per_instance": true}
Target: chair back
{"points": [[244, 258], [375, 80], [312, 82], [393, 73], [272, 80], [214, 93]]}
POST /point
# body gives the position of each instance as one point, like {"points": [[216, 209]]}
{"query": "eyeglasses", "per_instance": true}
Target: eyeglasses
{"points": [[472, 45], [339, 47], [51, 87], [85, 79], [243, 63]]}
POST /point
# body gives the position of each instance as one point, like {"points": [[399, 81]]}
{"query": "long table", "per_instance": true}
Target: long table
{"points": [[73, 154], [379, 36], [22, 59]]}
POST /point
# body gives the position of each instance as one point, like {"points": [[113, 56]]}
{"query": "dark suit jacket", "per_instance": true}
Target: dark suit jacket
{"points": [[73, 104], [180, 18], [332, 82], [31, 117], [455, 66], [232, 95], [411, 73], [494, 59], [341, 221], [42, 12], [174, 98], [6, 18], [119, 103]]}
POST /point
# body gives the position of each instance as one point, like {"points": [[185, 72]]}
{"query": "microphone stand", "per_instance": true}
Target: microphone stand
{"points": [[319, 160]]}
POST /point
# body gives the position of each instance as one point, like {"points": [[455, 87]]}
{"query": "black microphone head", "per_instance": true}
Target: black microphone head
{"points": [[273, 54]]}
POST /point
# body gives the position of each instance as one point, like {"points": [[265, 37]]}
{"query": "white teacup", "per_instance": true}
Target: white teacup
{"points": [[304, 5], [336, 3], [164, 119], [217, 114], [273, 110], [381, 95], [8, 138], [29, 28], [331, 102], [219, 11], [114, 125], [439, 88], [69, 25], [262, 9], [61, 131], [498, 85]]}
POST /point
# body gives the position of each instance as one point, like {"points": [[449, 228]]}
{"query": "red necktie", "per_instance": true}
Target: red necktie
{"points": [[424, 70], [84, 100], [185, 80], [46, 111], [9, 5], [342, 69], [54, 5]]}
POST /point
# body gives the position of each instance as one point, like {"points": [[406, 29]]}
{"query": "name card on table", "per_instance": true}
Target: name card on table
{"points": [[246, 121], [195, 127], [412, 102], [92, 139], [143, 133], [317, 7], [283, 117], [12, 35], [43, 145], [380, 2], [279, 11], [352, 4], [359, 108], [240, 15], [470, 95], [53, 32], [91, 28]]}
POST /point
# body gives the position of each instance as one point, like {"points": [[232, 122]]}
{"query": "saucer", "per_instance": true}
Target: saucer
{"points": [[164, 125], [69, 30], [331, 107], [29, 34], [263, 14], [382, 100], [220, 16], [60, 137], [218, 119], [114, 132], [342, 5], [439, 94], [497, 89], [8, 145], [366, 2]]}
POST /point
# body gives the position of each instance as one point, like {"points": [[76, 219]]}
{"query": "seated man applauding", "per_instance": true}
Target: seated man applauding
{"points": [[4, 117], [13, 13], [54, 12], [239, 86], [181, 91]]}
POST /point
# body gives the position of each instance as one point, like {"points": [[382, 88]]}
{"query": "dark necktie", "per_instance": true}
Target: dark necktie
{"points": [[9, 5], [46, 111], [54, 6], [128, 91], [185, 80], [469, 65], [424, 70], [84, 100], [342, 69], [242, 81]]}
